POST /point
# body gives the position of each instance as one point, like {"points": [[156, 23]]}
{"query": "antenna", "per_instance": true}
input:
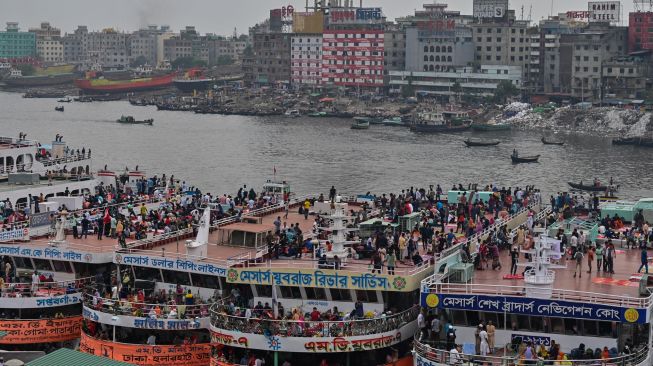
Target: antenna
{"points": [[530, 12], [522, 12], [551, 11]]}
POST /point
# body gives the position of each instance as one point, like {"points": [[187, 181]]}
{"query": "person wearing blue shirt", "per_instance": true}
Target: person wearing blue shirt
{"points": [[644, 259]]}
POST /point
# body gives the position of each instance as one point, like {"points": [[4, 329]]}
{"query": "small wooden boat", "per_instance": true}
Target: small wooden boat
{"points": [[546, 142], [360, 123], [131, 120], [472, 143], [59, 108], [524, 159], [317, 114], [590, 188], [293, 113], [625, 141], [394, 121], [490, 127]]}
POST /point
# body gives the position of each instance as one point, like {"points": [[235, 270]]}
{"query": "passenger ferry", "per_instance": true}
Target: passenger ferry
{"points": [[597, 318]]}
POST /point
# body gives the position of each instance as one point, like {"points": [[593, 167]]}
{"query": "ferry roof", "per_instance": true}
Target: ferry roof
{"points": [[625, 265], [6, 187], [226, 255], [67, 357]]}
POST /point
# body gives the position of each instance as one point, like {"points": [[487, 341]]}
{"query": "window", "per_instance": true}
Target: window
{"points": [[498, 39], [61, 266], [290, 292], [205, 281], [366, 296], [176, 277], [42, 264], [315, 293], [344, 294]]}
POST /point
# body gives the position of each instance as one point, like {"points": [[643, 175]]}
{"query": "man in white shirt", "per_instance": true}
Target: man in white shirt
{"points": [[454, 356], [421, 324], [259, 361], [35, 281], [151, 340]]}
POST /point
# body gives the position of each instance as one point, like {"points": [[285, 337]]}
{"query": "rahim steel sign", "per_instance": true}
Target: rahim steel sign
{"points": [[490, 8], [604, 11]]}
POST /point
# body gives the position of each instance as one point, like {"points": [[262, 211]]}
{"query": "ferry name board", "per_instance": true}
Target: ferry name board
{"points": [[52, 253], [324, 278], [176, 264], [40, 330], [535, 307]]}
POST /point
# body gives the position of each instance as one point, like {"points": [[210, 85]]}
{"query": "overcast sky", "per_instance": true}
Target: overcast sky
{"points": [[216, 16]]}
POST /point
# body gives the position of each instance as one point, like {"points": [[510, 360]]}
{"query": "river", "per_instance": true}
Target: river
{"points": [[221, 153]]}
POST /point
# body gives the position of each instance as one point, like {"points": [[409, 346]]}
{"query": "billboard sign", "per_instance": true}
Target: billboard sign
{"points": [[604, 11], [359, 15], [437, 28], [490, 8], [578, 16], [308, 22]]}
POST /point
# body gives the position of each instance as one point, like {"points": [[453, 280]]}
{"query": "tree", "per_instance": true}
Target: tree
{"points": [[456, 88], [506, 89], [224, 60], [26, 69], [138, 61], [187, 62]]}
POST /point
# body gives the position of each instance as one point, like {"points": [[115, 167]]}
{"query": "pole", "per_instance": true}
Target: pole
{"points": [[505, 328], [276, 358]]}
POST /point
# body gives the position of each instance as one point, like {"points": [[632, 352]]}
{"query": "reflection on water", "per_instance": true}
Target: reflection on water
{"points": [[221, 153]]}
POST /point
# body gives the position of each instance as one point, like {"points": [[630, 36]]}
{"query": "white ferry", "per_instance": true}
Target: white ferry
{"points": [[597, 318]]}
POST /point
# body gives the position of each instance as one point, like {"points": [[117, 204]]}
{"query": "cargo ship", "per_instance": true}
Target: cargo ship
{"points": [[90, 85], [56, 75], [193, 81]]}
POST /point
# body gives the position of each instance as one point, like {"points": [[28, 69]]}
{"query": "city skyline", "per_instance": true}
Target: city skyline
{"points": [[177, 15]]}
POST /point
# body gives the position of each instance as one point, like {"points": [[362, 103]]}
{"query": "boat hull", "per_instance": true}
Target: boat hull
{"points": [[29, 81], [133, 85], [525, 159], [556, 143], [189, 86], [424, 128], [483, 127], [587, 188], [480, 144]]}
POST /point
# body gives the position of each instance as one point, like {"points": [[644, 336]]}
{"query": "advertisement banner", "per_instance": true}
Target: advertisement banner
{"points": [[313, 344], [490, 8], [143, 355], [306, 23], [326, 278], [54, 253], [535, 307], [604, 11], [17, 234], [40, 331]]}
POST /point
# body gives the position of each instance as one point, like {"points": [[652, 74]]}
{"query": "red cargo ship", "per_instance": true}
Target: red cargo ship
{"points": [[123, 86]]}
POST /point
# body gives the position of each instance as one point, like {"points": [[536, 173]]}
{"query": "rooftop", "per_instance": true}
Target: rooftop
{"points": [[67, 357]]}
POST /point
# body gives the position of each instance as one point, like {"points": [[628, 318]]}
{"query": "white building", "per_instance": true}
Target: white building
{"points": [[49, 50], [306, 59], [481, 83]]}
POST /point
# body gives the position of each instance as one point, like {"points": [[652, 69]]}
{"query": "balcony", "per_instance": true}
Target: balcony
{"points": [[165, 316], [264, 333], [46, 294]]}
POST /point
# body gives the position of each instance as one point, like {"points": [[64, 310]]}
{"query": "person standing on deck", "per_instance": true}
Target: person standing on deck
{"points": [[578, 257], [610, 254], [491, 330], [590, 258], [644, 259], [332, 193], [307, 207], [599, 257]]}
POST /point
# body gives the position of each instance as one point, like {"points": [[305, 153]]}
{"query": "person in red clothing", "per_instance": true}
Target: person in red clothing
{"points": [[315, 315]]}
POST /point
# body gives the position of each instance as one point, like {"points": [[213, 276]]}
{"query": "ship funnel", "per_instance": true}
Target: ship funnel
{"points": [[199, 247]]}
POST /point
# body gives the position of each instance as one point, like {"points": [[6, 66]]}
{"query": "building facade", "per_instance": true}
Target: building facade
{"points": [[305, 60], [626, 77], [17, 44], [394, 53], [640, 31], [143, 44], [269, 61], [582, 56], [49, 50], [502, 43], [74, 45], [481, 83]]}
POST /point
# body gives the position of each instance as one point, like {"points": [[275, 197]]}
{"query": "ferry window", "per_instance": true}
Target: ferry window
{"points": [[42, 264], [290, 292], [500, 321], [473, 319], [23, 262], [340, 294], [572, 326], [149, 274], [458, 318], [176, 277], [605, 329], [523, 322], [315, 293], [366, 296], [61, 266], [537, 324], [590, 328], [205, 281], [558, 325], [264, 290]]}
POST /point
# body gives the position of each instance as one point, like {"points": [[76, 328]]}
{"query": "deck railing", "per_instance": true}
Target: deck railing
{"points": [[44, 289], [639, 357], [308, 328], [430, 285], [125, 307]]}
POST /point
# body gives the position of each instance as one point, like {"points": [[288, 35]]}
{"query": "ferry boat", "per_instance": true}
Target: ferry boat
{"points": [[103, 85], [598, 318], [437, 122], [193, 80]]}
